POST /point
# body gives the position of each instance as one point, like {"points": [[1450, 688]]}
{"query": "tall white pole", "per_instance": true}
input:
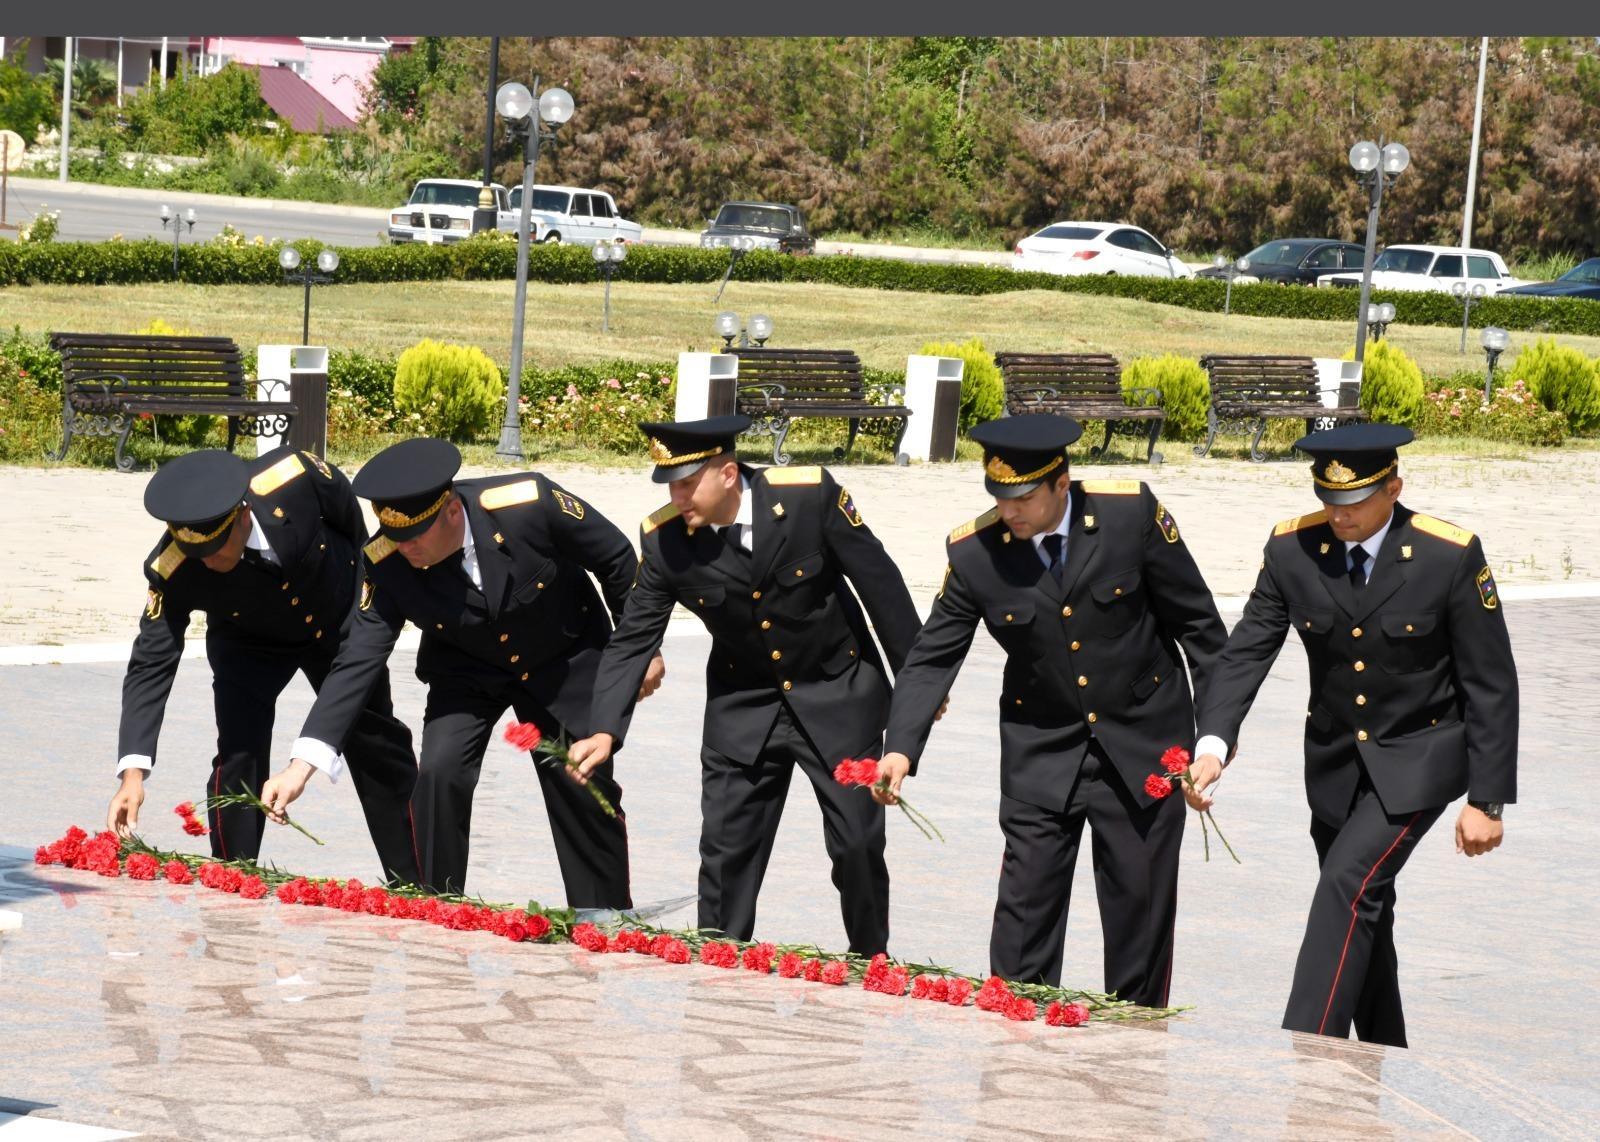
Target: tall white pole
{"points": [[119, 73], [66, 108], [163, 61], [1477, 133]]}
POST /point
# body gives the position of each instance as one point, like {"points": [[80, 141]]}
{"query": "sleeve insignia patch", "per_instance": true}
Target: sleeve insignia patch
{"points": [[319, 464], [367, 591], [848, 507], [1168, 525], [571, 505], [152, 603], [945, 582], [1486, 590]]}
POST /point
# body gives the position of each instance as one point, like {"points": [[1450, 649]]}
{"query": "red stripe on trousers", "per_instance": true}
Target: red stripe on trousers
{"points": [[1354, 901]]}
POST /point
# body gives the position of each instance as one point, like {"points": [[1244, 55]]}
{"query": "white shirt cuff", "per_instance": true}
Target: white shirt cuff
{"points": [[318, 755], [1212, 744], [136, 761]]}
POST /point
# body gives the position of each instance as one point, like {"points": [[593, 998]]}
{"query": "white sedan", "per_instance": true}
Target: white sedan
{"points": [[1097, 248]]}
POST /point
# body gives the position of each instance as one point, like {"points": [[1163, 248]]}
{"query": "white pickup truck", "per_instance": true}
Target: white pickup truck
{"points": [[570, 214], [441, 209], [1430, 269]]}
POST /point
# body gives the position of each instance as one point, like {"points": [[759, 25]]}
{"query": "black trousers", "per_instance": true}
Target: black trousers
{"points": [[1347, 971], [591, 848], [741, 804], [245, 684], [1135, 853]]}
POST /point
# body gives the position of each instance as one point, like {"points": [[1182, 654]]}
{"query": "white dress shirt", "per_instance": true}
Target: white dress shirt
{"points": [[745, 518], [1373, 543]]}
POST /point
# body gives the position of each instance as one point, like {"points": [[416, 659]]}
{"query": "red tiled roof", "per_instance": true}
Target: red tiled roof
{"points": [[299, 104]]}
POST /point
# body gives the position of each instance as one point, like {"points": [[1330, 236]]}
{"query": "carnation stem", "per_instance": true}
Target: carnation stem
{"points": [[227, 800], [1220, 837]]}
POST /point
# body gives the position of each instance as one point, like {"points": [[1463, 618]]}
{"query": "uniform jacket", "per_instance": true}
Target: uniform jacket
{"points": [[785, 627], [537, 626], [312, 521], [1411, 676], [1093, 657]]}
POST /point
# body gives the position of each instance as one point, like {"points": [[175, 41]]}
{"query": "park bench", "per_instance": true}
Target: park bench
{"points": [[110, 381], [1084, 386], [779, 386], [1247, 392]]}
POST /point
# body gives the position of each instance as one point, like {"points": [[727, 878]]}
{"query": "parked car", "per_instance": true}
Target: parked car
{"points": [[1294, 261], [1097, 248], [571, 214], [1582, 280], [770, 225], [440, 210], [1431, 269]]}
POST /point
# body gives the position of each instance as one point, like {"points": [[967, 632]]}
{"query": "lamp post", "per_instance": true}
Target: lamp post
{"points": [[1230, 270], [608, 256], [485, 217], [327, 262], [759, 330], [1377, 168], [737, 248], [1466, 297], [177, 224], [1495, 341], [1379, 318], [523, 111]]}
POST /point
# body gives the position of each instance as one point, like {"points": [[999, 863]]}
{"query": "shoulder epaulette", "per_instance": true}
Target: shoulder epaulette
{"points": [[508, 495], [658, 517], [275, 477], [1111, 487], [167, 562], [785, 476], [380, 549], [1300, 522], [972, 526], [1448, 532]]}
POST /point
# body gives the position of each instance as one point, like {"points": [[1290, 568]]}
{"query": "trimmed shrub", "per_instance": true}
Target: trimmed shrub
{"points": [[447, 390], [1564, 380], [1391, 384], [983, 393], [1185, 392]]}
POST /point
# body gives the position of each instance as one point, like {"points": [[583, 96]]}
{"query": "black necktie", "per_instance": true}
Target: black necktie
{"points": [[1052, 548], [1358, 566]]}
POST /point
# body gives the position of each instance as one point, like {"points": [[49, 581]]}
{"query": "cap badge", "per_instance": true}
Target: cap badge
{"points": [[1337, 473]]}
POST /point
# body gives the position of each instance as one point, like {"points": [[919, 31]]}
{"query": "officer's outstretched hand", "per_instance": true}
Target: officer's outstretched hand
{"points": [[589, 754], [653, 674], [893, 768], [123, 816], [1205, 770], [285, 787], [1476, 833]]}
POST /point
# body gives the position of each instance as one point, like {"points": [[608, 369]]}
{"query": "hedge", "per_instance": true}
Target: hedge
{"points": [[150, 260]]}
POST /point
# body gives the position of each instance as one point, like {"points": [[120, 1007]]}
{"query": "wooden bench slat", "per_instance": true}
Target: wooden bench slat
{"points": [[1081, 385], [816, 383], [1251, 390]]}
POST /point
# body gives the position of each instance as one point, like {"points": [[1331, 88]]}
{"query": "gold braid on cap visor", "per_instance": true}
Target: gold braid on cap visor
{"points": [[661, 454], [1342, 479], [1002, 473], [389, 517], [190, 536]]}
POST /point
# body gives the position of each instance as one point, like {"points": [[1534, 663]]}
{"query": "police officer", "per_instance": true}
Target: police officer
{"points": [[495, 573], [762, 556], [1413, 703], [270, 551], [1089, 589]]}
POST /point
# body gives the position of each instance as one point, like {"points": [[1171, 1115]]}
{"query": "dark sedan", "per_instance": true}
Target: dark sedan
{"points": [[1295, 261], [1582, 280], [759, 226]]}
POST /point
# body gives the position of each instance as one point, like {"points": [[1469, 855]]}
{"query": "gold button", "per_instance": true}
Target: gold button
{"points": [[1308, 624], [438, 626], [1361, 735], [766, 624], [1434, 722], [284, 587], [1066, 612], [295, 602], [1356, 633], [1019, 701], [319, 634], [1009, 618], [516, 658], [322, 547], [524, 678], [702, 602], [1076, 644], [1118, 591], [798, 572], [505, 638], [777, 654], [755, 594], [1360, 666], [852, 654], [788, 685], [1082, 681], [1410, 628], [1092, 719], [539, 585], [235, 614], [309, 618], [1157, 678], [1361, 699]]}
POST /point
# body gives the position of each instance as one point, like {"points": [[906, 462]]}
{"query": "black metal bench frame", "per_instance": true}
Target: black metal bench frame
{"points": [[776, 387], [109, 381], [1249, 391], [1084, 386]]}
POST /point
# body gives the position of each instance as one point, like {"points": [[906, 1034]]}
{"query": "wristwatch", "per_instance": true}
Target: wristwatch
{"points": [[1490, 809]]}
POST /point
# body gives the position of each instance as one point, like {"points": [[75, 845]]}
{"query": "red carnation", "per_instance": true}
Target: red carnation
{"points": [[1022, 1010], [994, 995], [675, 952], [921, 987], [790, 965], [194, 827], [1060, 1014], [853, 772], [516, 932], [960, 992], [375, 901], [845, 772], [1175, 760], [1157, 786], [836, 973], [524, 735], [589, 937], [177, 872], [184, 810], [812, 971], [252, 888], [759, 958], [142, 866], [41, 855], [719, 955]]}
